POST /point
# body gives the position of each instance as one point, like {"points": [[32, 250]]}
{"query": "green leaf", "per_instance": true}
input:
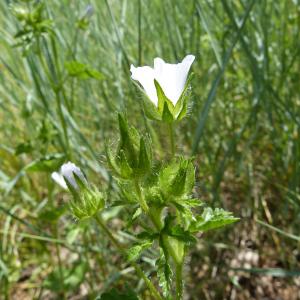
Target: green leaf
{"points": [[134, 252], [65, 279], [49, 163], [137, 213], [182, 235], [82, 71], [164, 273], [212, 219], [52, 214], [116, 295], [23, 148]]}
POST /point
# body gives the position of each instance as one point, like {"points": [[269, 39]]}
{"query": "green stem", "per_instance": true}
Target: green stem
{"points": [[152, 214], [171, 133], [120, 247], [179, 281]]}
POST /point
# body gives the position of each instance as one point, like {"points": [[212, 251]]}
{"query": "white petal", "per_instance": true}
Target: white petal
{"points": [[172, 77], [67, 171], [145, 76], [59, 179]]}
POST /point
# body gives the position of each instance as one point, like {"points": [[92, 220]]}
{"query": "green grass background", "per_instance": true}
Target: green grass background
{"points": [[242, 128]]}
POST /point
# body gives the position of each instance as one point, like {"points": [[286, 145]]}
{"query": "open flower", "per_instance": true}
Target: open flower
{"points": [[66, 173], [169, 78]]}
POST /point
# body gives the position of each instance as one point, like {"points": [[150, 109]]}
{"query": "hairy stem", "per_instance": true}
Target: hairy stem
{"points": [[179, 281], [172, 143], [120, 247]]}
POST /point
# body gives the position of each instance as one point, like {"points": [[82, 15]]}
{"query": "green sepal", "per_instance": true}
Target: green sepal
{"points": [[124, 167], [145, 157], [150, 109], [88, 202], [127, 137], [177, 178], [180, 109], [111, 161], [165, 107], [166, 114]]}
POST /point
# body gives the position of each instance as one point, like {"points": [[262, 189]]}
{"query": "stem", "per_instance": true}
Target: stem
{"points": [[60, 267], [120, 247], [179, 281], [171, 133]]}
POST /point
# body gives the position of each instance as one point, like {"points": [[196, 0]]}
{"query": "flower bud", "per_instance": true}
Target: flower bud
{"points": [[87, 200], [65, 177], [88, 203]]}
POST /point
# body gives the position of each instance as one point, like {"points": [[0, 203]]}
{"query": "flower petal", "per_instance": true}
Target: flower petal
{"points": [[145, 76], [172, 77], [67, 171], [59, 179]]}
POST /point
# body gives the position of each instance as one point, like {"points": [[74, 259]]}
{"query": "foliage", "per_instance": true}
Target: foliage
{"points": [[64, 74]]}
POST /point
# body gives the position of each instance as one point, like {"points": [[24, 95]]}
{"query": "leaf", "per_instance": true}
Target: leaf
{"points": [[134, 252], [115, 295], [83, 71], [164, 273], [23, 148], [137, 213], [49, 163], [212, 219], [65, 279], [52, 214], [182, 235]]}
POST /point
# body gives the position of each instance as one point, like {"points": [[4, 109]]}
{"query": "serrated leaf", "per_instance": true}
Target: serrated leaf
{"points": [[212, 219], [137, 213], [134, 252], [164, 274], [182, 235]]}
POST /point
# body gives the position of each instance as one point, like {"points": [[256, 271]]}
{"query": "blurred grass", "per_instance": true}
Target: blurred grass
{"points": [[243, 127]]}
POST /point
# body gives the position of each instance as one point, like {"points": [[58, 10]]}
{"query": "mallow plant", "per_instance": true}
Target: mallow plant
{"points": [[159, 193]]}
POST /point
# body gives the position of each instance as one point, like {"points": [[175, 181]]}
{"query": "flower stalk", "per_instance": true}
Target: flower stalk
{"points": [[120, 247], [172, 143]]}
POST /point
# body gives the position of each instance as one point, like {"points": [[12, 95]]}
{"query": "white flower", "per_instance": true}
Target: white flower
{"points": [[171, 78], [67, 173]]}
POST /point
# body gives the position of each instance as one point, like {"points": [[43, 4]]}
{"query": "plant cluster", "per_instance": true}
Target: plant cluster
{"points": [[159, 193]]}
